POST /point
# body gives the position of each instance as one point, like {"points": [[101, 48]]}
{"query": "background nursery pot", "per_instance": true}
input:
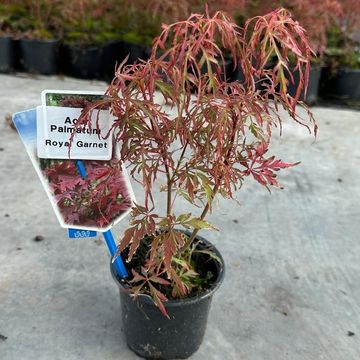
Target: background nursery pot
{"points": [[82, 61], [7, 54], [153, 336], [342, 85], [40, 56], [313, 87]]}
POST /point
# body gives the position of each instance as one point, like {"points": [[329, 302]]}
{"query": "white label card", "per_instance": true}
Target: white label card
{"points": [[55, 127]]}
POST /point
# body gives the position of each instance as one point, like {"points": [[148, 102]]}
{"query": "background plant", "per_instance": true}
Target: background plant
{"points": [[11, 15], [90, 22], [343, 37], [317, 17]]}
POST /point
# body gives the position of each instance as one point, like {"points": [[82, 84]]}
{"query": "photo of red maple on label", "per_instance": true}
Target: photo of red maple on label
{"points": [[95, 201]]}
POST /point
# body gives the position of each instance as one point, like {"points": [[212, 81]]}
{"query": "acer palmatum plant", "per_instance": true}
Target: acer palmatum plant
{"points": [[219, 136], [91, 202]]}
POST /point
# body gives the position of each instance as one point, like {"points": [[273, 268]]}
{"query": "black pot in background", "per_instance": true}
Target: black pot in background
{"points": [[343, 85], [18, 60], [151, 335], [313, 86], [82, 61], [116, 51], [112, 56], [7, 54], [40, 56], [135, 52]]}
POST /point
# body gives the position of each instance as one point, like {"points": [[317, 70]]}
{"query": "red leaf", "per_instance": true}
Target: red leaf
{"points": [[179, 284], [169, 248], [159, 280], [158, 298], [128, 235], [67, 182], [136, 277]]}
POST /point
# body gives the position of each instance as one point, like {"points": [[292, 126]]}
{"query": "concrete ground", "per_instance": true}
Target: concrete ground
{"points": [[292, 288]]}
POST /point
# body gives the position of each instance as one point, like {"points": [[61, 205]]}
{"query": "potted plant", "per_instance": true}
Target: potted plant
{"points": [[40, 37], [10, 26], [87, 33], [135, 25], [214, 135], [341, 78], [316, 17]]}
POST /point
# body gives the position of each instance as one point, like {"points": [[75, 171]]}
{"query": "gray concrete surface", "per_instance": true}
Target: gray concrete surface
{"points": [[292, 288]]}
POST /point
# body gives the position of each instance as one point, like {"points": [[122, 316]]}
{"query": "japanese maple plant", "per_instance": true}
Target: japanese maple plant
{"points": [[205, 139]]}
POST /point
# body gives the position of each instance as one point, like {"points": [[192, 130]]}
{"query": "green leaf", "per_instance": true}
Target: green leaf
{"points": [[209, 253], [166, 89], [207, 188], [184, 264], [183, 217], [197, 223]]}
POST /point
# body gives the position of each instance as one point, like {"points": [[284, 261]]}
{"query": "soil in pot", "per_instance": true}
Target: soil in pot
{"points": [[7, 54], [153, 336], [342, 85], [40, 56], [83, 62]]}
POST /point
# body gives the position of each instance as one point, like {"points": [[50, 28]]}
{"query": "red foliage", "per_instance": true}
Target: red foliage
{"points": [[94, 201], [218, 133], [262, 169], [314, 15]]}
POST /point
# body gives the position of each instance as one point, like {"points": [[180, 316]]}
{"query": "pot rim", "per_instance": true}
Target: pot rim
{"points": [[185, 301], [6, 37]]}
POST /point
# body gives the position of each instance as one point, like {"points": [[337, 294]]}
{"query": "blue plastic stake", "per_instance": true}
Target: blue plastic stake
{"points": [[81, 168], [108, 236], [118, 263]]}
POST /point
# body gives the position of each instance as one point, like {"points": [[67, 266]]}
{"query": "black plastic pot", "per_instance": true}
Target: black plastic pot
{"points": [[82, 61], [112, 56], [313, 87], [40, 56], [135, 52], [18, 61], [151, 335], [344, 84], [7, 54]]}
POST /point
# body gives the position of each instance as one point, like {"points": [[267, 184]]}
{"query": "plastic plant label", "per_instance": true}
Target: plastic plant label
{"points": [[92, 202], [57, 135], [77, 233]]}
